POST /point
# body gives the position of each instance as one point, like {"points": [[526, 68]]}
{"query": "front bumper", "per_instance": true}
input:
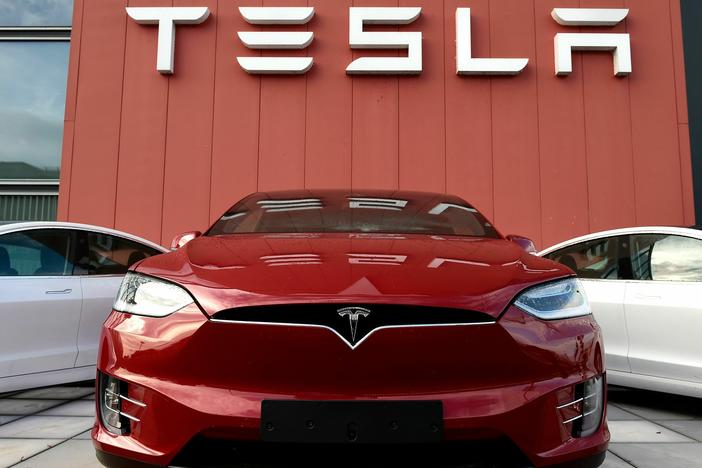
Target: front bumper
{"points": [[201, 401], [214, 454]]}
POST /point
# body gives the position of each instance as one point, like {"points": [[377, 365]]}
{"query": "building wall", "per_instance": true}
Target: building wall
{"points": [[543, 156]]}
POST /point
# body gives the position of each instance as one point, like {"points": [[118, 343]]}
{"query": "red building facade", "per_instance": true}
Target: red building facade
{"points": [[545, 156]]}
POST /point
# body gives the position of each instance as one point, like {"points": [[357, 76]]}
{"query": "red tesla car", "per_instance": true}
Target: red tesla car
{"points": [[339, 329]]}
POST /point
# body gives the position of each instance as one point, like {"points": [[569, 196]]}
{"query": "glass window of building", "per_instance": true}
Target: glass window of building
{"points": [[34, 48]]}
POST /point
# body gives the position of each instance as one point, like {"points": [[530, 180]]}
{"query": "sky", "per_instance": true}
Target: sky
{"points": [[33, 84], [36, 12], [32, 101]]}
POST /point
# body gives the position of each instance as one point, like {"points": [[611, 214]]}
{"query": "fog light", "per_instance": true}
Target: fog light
{"points": [[112, 393], [585, 411], [592, 407]]}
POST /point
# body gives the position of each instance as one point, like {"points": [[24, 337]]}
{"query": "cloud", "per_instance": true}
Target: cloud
{"points": [[30, 138], [36, 12], [677, 258], [32, 99]]}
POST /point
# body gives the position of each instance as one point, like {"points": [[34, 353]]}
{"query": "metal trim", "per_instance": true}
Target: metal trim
{"points": [[29, 182], [573, 419], [35, 33], [121, 413], [134, 402], [575, 402], [122, 397], [28, 194]]}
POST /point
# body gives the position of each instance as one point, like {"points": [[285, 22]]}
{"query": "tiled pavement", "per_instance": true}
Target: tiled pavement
{"points": [[48, 428], [51, 428]]}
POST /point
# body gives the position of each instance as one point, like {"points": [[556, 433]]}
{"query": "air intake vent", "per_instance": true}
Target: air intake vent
{"points": [[353, 322]]}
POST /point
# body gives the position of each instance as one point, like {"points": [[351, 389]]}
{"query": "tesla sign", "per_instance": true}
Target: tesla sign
{"points": [[564, 43]]}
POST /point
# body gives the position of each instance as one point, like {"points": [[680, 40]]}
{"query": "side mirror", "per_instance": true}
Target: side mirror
{"points": [[181, 239], [523, 242]]}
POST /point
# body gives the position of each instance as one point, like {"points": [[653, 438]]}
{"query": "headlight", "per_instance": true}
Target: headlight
{"points": [[557, 300], [144, 295]]}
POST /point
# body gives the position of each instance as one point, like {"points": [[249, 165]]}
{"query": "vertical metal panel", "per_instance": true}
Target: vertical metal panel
{"points": [[468, 104], [564, 198], [16, 208], [329, 99], [610, 172], [375, 121], [282, 132], [93, 171], [515, 126], [422, 120], [654, 115], [69, 114], [186, 185], [139, 199], [547, 157], [236, 113]]}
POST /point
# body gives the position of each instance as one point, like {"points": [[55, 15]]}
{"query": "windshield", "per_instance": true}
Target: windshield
{"points": [[396, 213]]}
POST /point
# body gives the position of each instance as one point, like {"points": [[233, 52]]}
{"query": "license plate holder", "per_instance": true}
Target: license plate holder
{"points": [[343, 422]]}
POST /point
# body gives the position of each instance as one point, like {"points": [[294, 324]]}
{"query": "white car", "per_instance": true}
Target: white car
{"points": [[645, 289], [57, 285]]}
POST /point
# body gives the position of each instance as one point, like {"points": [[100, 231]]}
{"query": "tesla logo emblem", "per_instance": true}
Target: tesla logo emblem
{"points": [[354, 314]]}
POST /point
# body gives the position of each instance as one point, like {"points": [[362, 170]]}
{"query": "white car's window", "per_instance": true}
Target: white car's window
{"points": [[111, 255], [41, 252], [595, 259], [662, 257]]}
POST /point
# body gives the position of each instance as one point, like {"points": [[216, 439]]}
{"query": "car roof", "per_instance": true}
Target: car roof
{"points": [[682, 231], [15, 227]]}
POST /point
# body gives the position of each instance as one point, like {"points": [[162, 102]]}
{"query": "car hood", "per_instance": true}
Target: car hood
{"points": [[479, 274]]}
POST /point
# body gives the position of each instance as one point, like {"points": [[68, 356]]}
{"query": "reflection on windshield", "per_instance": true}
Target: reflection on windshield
{"points": [[377, 203], [376, 259], [292, 259], [273, 206], [336, 212]]}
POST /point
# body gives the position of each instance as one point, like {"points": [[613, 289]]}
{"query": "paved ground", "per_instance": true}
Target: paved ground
{"points": [[51, 428]]}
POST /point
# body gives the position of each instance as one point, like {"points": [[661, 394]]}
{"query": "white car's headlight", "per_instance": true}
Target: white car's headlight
{"points": [[144, 295], [553, 301]]}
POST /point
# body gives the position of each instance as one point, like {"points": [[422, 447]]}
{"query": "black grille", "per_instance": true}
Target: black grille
{"points": [[353, 322], [213, 453]]}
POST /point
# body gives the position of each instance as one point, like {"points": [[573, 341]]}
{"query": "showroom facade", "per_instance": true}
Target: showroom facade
{"points": [[550, 157], [34, 35]]}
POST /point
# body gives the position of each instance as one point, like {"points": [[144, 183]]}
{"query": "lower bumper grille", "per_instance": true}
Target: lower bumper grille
{"points": [[214, 453]]}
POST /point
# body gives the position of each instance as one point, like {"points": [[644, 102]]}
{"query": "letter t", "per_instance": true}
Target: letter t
{"points": [[167, 18]]}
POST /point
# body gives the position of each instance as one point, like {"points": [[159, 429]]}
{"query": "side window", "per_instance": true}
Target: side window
{"points": [[595, 259], [41, 252], [640, 254], [664, 257], [111, 255]]}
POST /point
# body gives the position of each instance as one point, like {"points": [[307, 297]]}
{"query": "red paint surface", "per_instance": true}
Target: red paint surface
{"points": [[542, 156], [495, 378], [186, 396]]}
